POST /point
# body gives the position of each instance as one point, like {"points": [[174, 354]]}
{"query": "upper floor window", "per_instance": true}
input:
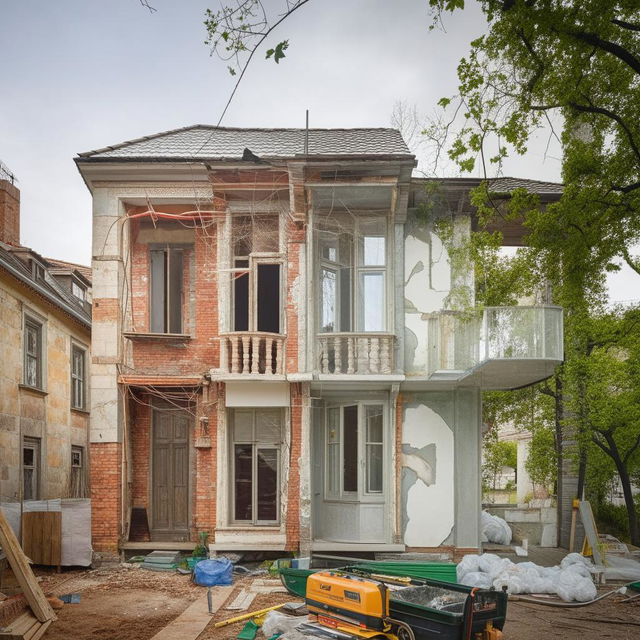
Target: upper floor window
{"points": [[30, 468], [32, 353], [78, 291], [352, 254], [256, 273], [37, 270], [77, 377], [166, 290]]}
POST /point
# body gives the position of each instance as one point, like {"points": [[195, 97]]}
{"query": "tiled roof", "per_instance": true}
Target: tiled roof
{"points": [[72, 266], [205, 142], [506, 185]]}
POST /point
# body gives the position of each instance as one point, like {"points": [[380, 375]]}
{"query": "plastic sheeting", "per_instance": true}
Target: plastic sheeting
{"points": [[494, 529], [570, 581]]}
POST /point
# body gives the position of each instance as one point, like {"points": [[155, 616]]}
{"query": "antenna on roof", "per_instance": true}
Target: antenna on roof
{"points": [[6, 174], [306, 135]]}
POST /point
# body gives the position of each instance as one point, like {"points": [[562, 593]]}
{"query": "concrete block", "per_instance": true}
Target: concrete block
{"points": [[549, 537], [549, 515], [522, 515]]}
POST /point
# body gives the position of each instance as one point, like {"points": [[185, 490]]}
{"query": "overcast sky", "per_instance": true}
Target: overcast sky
{"points": [[83, 74]]}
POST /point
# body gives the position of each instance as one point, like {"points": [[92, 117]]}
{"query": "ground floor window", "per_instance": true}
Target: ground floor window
{"points": [[31, 469], [256, 439]]}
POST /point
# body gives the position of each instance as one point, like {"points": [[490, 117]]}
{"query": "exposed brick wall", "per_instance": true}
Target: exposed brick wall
{"points": [[293, 481], [106, 495], [295, 236], [140, 452], [9, 213]]}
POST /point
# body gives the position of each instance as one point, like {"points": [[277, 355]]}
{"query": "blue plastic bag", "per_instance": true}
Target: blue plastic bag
{"points": [[210, 573]]}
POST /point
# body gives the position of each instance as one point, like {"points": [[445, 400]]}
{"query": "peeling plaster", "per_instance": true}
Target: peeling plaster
{"points": [[427, 481]]}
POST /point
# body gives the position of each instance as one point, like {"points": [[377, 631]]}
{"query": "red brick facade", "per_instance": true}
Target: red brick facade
{"points": [[106, 495]]}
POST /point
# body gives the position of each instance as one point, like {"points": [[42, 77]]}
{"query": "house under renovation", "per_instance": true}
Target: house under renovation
{"points": [[278, 359]]}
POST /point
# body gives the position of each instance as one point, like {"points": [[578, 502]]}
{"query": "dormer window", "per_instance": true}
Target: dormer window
{"points": [[78, 291], [37, 270]]}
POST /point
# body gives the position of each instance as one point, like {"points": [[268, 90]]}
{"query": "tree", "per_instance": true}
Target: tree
{"points": [[497, 454]]}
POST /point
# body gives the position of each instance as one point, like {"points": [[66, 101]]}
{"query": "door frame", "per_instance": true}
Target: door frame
{"points": [[159, 405]]}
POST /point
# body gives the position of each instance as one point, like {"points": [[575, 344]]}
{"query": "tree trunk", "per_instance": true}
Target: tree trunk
{"points": [[625, 480]]}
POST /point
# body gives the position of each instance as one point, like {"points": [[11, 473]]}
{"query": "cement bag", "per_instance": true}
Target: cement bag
{"points": [[495, 529], [210, 573]]}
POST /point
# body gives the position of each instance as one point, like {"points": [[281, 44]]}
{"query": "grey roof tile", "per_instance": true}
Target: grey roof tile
{"points": [[506, 185], [207, 142]]}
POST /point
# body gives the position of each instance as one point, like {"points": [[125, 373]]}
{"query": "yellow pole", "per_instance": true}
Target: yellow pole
{"points": [[253, 614]]}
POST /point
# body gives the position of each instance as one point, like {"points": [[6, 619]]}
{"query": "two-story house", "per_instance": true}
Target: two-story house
{"points": [[276, 360], [45, 336]]}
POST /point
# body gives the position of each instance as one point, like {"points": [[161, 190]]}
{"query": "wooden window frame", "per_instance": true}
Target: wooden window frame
{"points": [[31, 324], [35, 445], [78, 380], [166, 320]]}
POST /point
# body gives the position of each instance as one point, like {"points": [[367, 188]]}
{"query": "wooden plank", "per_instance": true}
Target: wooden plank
{"points": [[42, 537], [590, 531], [19, 627], [242, 601], [41, 631], [192, 621], [22, 571]]}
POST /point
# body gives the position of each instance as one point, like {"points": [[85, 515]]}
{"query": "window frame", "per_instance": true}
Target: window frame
{"points": [[78, 381], [32, 323], [77, 285], [35, 445], [359, 270], [168, 250], [256, 445]]}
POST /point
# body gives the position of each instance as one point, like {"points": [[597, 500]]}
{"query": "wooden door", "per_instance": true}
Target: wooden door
{"points": [[170, 475]]}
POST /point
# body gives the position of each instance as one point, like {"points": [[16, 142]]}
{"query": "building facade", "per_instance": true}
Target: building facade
{"points": [[277, 357], [45, 337]]}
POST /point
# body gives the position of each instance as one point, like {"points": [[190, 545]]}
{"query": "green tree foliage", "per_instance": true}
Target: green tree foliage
{"points": [[541, 461], [496, 455]]}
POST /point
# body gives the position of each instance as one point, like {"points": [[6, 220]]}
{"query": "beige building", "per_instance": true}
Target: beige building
{"points": [[45, 334]]}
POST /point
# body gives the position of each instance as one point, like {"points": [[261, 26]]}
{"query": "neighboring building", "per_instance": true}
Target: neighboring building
{"points": [[275, 356], [45, 337]]}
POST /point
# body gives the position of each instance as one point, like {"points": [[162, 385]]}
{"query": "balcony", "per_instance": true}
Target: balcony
{"points": [[504, 347], [355, 353], [252, 353]]}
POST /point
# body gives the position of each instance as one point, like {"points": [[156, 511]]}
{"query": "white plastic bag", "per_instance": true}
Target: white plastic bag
{"points": [[570, 586], [619, 568], [476, 579], [493, 565], [468, 564], [574, 558], [495, 529], [277, 622]]}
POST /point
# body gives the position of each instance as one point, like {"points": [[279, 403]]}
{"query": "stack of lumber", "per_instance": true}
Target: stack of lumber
{"points": [[161, 561], [31, 625]]}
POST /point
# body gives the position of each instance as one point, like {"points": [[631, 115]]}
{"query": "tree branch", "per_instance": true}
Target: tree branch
{"points": [[626, 25], [605, 45]]}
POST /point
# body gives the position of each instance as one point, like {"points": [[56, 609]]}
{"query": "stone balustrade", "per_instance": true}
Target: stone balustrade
{"points": [[355, 353], [249, 352]]}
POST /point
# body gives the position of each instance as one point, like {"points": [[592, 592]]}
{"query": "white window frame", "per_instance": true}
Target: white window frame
{"points": [[79, 381], [358, 271], [362, 495], [255, 446]]}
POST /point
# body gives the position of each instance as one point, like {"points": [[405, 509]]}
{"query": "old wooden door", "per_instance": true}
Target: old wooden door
{"points": [[170, 475]]}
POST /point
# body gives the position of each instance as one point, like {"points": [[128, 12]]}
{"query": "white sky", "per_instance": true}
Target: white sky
{"points": [[83, 74]]}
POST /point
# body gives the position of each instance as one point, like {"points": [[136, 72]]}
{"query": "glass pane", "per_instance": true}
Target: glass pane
{"points": [[350, 449], [267, 484], [242, 426], [373, 250], [372, 309], [333, 469], [268, 426], [32, 372], [242, 484], [374, 423], [28, 457], [32, 340], [28, 489], [265, 233], [333, 425], [328, 301], [374, 468], [328, 246]]}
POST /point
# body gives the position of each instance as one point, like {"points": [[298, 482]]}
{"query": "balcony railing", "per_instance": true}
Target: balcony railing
{"points": [[247, 352], [361, 353], [458, 342]]}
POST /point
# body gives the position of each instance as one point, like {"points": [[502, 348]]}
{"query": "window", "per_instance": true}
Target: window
{"points": [[352, 274], [354, 464], [256, 276], [37, 270], [78, 291], [78, 478], [32, 353], [77, 377], [166, 290], [256, 437], [31, 469]]}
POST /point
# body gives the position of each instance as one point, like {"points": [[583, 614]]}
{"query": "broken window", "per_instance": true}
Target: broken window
{"points": [[352, 255], [166, 290], [31, 468], [256, 275], [77, 377], [32, 353], [255, 455]]}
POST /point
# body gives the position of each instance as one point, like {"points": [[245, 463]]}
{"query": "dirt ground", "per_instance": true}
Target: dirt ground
{"points": [[134, 604]]}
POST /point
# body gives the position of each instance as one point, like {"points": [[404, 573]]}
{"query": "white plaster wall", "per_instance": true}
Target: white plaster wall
{"points": [[427, 284], [430, 500]]}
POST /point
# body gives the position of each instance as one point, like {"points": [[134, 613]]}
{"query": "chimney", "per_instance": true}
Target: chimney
{"points": [[9, 213]]}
